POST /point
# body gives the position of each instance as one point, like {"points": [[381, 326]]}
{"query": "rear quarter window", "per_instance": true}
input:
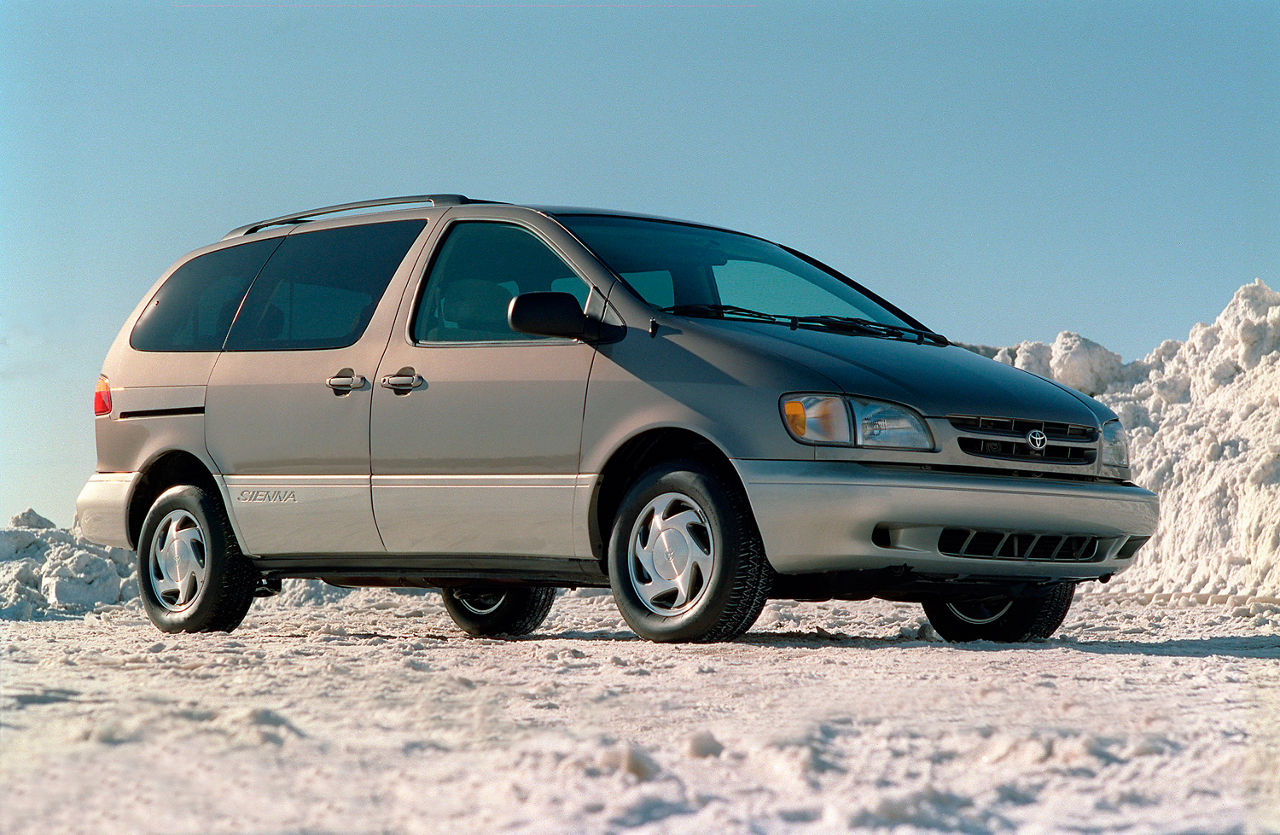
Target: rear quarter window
{"points": [[193, 309], [319, 289]]}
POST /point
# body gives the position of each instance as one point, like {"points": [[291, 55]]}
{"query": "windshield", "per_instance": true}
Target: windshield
{"points": [[699, 271]]}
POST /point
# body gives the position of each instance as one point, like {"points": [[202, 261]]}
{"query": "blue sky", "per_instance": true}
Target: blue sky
{"points": [[1002, 171]]}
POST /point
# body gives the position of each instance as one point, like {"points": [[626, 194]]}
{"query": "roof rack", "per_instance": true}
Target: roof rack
{"points": [[303, 217]]}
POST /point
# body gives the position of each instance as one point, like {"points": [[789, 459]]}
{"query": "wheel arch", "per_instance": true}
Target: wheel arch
{"points": [[170, 468], [636, 455]]}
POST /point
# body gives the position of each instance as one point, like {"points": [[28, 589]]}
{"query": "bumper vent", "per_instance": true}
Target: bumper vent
{"points": [[1131, 546], [1006, 439], [1014, 545]]}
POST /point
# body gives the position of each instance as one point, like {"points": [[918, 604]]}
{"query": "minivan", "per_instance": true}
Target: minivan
{"points": [[499, 401]]}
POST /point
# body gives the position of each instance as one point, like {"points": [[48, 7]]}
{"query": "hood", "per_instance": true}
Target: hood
{"points": [[935, 380]]}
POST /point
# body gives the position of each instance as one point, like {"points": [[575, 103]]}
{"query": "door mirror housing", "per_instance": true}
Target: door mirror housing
{"points": [[548, 314]]}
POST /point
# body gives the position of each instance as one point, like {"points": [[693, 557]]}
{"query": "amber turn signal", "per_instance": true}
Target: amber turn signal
{"points": [[794, 411]]}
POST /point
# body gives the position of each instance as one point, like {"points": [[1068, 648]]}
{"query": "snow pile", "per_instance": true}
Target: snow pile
{"points": [[1203, 418], [45, 569], [1071, 360]]}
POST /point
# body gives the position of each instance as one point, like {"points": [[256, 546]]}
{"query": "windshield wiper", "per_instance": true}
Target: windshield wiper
{"points": [[844, 324], [719, 311], [869, 327]]}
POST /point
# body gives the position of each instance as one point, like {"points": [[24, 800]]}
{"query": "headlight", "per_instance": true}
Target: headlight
{"points": [[888, 425], [826, 419], [1115, 445], [817, 418]]}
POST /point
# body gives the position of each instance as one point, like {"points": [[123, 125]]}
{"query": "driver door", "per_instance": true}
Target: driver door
{"points": [[475, 428]]}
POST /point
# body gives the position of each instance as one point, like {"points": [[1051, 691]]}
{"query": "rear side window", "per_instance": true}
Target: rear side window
{"points": [[319, 289], [192, 311]]}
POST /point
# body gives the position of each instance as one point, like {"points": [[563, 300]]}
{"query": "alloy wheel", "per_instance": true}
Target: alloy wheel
{"points": [[671, 554], [177, 558], [980, 612]]}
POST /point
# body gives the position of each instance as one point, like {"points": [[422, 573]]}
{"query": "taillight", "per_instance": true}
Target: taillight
{"points": [[102, 397]]}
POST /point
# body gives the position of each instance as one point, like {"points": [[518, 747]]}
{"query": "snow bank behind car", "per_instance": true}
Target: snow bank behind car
{"points": [[1203, 418], [44, 568]]}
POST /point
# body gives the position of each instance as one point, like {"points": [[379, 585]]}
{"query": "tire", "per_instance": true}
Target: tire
{"points": [[1027, 617], [485, 611], [685, 559], [192, 576]]}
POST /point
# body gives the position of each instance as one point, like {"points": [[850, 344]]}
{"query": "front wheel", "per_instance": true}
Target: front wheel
{"points": [[685, 558], [1007, 619], [496, 611], [191, 574]]}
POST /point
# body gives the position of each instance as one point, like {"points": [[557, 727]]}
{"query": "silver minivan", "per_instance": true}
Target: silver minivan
{"points": [[499, 401]]}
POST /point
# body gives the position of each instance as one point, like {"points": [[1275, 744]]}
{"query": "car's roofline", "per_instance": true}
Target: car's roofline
{"points": [[444, 201], [293, 218], [557, 211]]}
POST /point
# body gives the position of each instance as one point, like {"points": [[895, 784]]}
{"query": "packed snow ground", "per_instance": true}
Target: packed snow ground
{"points": [[372, 713], [1155, 708]]}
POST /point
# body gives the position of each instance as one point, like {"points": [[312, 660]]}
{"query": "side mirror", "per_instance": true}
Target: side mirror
{"points": [[547, 314]]}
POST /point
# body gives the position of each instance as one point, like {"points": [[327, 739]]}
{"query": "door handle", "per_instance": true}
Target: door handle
{"points": [[344, 381], [403, 381]]}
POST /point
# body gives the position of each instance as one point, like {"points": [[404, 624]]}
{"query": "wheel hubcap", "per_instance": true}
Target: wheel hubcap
{"points": [[980, 612], [671, 554], [178, 563], [480, 602]]}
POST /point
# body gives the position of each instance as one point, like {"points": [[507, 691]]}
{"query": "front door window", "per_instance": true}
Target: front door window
{"points": [[480, 267]]}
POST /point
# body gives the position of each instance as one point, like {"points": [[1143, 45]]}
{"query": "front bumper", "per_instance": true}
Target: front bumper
{"points": [[102, 509], [819, 516]]}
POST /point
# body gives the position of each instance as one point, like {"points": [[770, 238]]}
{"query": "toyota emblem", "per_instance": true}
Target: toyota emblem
{"points": [[1037, 440]]}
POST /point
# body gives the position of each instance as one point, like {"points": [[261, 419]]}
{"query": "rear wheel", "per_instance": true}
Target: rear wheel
{"points": [[191, 574], [685, 558], [494, 611], [1010, 619]]}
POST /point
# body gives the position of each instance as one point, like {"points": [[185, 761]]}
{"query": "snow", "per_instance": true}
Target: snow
{"points": [[30, 519], [48, 570], [1072, 360], [1156, 707], [1203, 418], [373, 713]]}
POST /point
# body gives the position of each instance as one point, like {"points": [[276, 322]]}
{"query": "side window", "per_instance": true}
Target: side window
{"points": [[192, 311], [575, 287], [319, 289], [480, 267]]}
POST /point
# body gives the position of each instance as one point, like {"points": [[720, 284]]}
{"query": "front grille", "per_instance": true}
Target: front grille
{"points": [[1018, 545], [1022, 451], [1006, 439], [1020, 428]]}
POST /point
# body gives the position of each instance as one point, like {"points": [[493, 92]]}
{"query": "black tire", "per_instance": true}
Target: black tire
{"points": [[217, 589], [1032, 616], [718, 604], [488, 611]]}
